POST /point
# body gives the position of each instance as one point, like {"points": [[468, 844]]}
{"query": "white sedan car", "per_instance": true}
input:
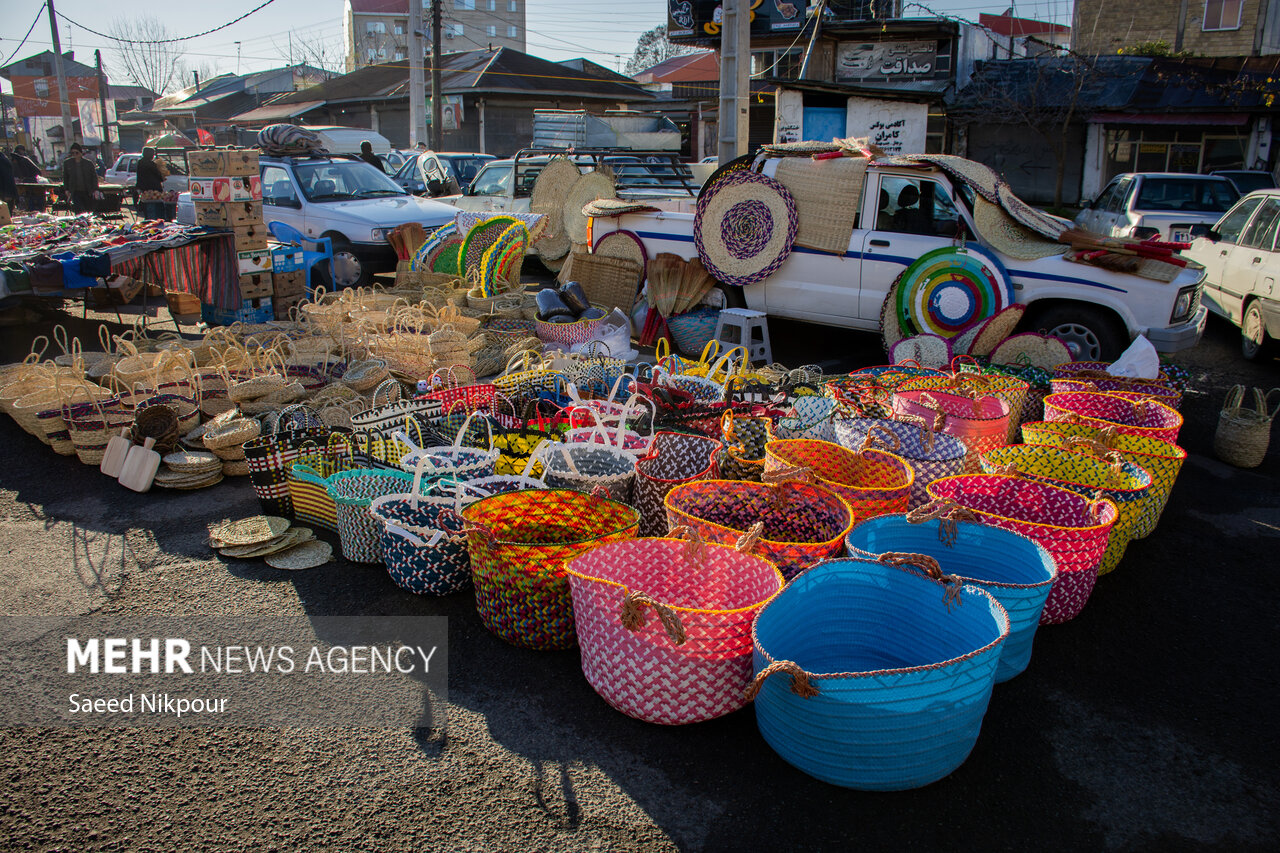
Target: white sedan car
{"points": [[1163, 205], [1242, 265]]}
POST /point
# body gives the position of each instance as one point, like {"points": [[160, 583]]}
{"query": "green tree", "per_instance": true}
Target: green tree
{"points": [[653, 47]]}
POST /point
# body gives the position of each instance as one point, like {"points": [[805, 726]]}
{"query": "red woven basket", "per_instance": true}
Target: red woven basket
{"points": [[1145, 417], [1070, 527], [874, 482], [982, 424]]}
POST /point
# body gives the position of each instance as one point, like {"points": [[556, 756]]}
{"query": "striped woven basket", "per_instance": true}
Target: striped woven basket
{"points": [[872, 482]]}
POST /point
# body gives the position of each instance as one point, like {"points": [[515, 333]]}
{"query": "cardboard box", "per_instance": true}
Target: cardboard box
{"points": [[255, 285], [244, 188], [206, 163], [210, 189], [5, 219], [212, 214], [283, 305], [244, 213], [257, 260], [285, 258], [292, 283], [122, 289], [252, 238], [240, 161]]}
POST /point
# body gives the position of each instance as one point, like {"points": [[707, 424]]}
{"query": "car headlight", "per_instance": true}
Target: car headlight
{"points": [[1182, 305], [377, 235]]}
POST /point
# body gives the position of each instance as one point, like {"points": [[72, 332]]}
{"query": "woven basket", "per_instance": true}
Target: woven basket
{"points": [[930, 455], [424, 545], [1072, 528], [673, 458], [981, 424], [800, 524], [895, 679], [1018, 572], [689, 659], [1145, 417], [1243, 435], [352, 493], [693, 330], [1008, 388], [520, 542], [872, 482]]}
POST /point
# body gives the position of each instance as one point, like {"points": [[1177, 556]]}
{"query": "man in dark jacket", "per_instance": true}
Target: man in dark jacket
{"points": [[367, 155], [150, 186], [8, 190], [25, 171], [79, 180]]}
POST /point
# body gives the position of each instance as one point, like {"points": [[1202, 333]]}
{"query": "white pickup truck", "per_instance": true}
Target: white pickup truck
{"points": [[1097, 312]]}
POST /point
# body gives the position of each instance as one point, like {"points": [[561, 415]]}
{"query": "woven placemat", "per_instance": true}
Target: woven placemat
{"points": [[292, 537], [549, 192], [167, 478], [588, 187], [188, 462], [925, 350], [248, 531], [308, 555], [744, 227], [997, 329], [826, 194], [1008, 237]]}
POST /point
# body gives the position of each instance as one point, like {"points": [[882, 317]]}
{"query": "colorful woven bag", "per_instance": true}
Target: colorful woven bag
{"points": [[981, 424], [1123, 482], [424, 545], [1163, 461], [1145, 418], [885, 679], [1171, 397], [587, 467], [519, 544], [1017, 571], [872, 482], [929, 454], [453, 460], [793, 525], [1071, 527], [307, 478], [742, 457], [1011, 390], [1096, 375], [868, 392], [352, 493], [693, 661], [674, 458], [810, 417], [268, 457]]}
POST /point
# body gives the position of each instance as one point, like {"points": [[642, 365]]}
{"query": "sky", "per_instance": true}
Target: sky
{"points": [[604, 31]]}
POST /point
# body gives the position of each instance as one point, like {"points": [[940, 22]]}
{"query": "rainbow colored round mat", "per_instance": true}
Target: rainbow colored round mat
{"points": [[949, 288]]}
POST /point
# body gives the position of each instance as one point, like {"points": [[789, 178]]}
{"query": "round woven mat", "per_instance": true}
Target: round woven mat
{"points": [[588, 187], [549, 192], [308, 555], [290, 538], [946, 289], [1040, 351], [744, 227], [1008, 237], [607, 207], [422, 258], [925, 350], [623, 244], [184, 462], [997, 329], [248, 531], [738, 164], [890, 329]]}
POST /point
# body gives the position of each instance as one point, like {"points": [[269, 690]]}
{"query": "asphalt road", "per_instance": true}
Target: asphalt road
{"points": [[1145, 724]]}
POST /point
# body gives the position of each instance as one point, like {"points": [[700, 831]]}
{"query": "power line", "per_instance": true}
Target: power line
{"points": [[167, 41], [39, 12]]}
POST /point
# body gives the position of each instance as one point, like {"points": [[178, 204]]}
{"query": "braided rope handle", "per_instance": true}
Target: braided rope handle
{"points": [[788, 474], [632, 615], [871, 439], [948, 513], [926, 434], [939, 416], [749, 540], [931, 568], [696, 550], [800, 684]]}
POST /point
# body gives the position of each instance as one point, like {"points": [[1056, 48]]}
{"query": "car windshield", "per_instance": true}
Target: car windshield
{"points": [[1247, 182], [342, 180], [1212, 196]]}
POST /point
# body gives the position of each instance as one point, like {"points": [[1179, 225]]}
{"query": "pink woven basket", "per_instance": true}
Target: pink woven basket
{"points": [[1071, 527], [1143, 417], [665, 625], [1166, 394], [981, 424]]}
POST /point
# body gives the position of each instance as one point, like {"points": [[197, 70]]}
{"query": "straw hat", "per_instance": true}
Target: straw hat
{"points": [[588, 187], [744, 227], [1008, 237]]}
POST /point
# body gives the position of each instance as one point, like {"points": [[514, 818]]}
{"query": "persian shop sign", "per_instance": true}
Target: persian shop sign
{"points": [[888, 61], [700, 20]]}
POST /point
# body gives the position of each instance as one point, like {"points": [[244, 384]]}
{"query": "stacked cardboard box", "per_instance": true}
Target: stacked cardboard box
{"points": [[289, 278], [227, 192]]}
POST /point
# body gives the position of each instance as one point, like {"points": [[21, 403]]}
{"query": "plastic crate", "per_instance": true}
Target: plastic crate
{"points": [[250, 311]]}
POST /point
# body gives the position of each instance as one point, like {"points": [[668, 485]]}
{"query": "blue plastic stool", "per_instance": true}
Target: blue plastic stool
{"points": [[285, 233]]}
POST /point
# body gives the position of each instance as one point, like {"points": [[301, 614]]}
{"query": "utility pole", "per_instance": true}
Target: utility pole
{"points": [[735, 80], [68, 133], [417, 86], [437, 93], [105, 147]]}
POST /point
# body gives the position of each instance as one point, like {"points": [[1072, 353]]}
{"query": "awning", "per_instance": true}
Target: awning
{"points": [[276, 112], [1217, 119]]}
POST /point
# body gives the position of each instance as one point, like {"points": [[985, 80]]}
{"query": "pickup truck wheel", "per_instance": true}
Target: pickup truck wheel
{"points": [[1253, 332], [347, 270], [1090, 334]]}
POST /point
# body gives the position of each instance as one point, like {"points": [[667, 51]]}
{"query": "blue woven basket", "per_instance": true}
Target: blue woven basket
{"points": [[424, 546], [888, 684], [931, 460], [1016, 570], [692, 331]]}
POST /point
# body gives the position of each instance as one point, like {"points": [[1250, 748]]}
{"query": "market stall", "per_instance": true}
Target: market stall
{"points": [[37, 194]]}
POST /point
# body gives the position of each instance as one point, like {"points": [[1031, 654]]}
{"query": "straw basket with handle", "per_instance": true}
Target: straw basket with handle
{"points": [[1243, 435]]}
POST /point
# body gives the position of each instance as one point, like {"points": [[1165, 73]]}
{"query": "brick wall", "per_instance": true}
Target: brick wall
{"points": [[1101, 28]]}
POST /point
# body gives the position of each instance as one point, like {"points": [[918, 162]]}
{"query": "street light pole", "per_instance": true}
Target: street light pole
{"points": [[105, 130], [417, 86]]}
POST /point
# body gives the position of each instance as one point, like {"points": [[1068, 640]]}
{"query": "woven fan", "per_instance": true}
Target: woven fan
{"points": [[498, 258], [446, 257], [480, 238], [695, 283]]}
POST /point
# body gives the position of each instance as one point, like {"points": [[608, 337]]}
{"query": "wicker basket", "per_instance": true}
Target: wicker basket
{"points": [[1243, 435]]}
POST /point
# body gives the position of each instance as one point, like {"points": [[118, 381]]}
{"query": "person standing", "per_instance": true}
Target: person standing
{"points": [[367, 155], [150, 186], [25, 171], [8, 189], [79, 180]]}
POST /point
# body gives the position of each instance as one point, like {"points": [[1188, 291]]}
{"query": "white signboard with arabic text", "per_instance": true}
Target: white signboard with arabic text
{"points": [[896, 126], [888, 60]]}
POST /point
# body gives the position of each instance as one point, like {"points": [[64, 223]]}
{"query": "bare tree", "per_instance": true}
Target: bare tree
{"points": [[143, 57], [653, 47], [326, 54]]}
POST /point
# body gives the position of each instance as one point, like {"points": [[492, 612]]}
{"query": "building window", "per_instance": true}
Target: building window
{"points": [[1222, 15], [464, 4], [493, 31], [493, 5], [399, 30], [41, 86], [512, 6], [399, 55], [454, 30], [513, 32], [375, 27]]}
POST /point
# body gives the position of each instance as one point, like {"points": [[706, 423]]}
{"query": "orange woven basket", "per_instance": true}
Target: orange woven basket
{"points": [[874, 482]]}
